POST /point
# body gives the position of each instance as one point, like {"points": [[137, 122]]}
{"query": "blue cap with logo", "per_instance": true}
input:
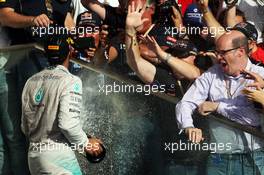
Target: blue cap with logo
{"points": [[193, 17]]}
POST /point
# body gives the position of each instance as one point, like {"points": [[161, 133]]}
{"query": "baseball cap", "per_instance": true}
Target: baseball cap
{"points": [[193, 17], [182, 48], [88, 37], [57, 48], [247, 29], [88, 18]]}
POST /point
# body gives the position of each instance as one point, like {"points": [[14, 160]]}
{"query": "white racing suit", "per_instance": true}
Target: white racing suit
{"points": [[51, 109]]}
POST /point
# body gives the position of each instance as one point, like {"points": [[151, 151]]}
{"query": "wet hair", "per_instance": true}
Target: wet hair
{"points": [[241, 41]]}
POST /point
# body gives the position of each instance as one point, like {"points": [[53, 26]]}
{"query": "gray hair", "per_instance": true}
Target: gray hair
{"points": [[241, 41]]}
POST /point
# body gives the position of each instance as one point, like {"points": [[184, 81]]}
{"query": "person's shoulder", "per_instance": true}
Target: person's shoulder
{"points": [[66, 75], [214, 68], [257, 69], [211, 74], [75, 78], [32, 81], [37, 76]]}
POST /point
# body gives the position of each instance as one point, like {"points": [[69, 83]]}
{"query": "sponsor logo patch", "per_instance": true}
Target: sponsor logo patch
{"points": [[52, 47], [39, 95]]}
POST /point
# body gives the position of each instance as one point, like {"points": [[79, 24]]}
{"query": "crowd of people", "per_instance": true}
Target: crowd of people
{"points": [[212, 50]]}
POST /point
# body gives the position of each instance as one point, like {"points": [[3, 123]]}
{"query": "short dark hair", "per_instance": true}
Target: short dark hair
{"points": [[241, 41]]}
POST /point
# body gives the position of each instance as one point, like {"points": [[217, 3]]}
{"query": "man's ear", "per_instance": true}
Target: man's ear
{"points": [[240, 52]]}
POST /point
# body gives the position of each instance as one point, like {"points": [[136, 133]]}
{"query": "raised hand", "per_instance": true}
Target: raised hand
{"points": [[176, 18], [134, 16], [258, 80], [203, 4], [254, 95], [151, 44]]}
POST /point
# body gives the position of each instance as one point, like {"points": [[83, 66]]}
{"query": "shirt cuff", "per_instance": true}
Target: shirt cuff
{"points": [[182, 130], [83, 144], [221, 108], [186, 124]]}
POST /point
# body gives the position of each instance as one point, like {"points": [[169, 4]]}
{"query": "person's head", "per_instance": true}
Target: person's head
{"points": [[181, 48], [232, 50], [193, 17], [196, 27], [250, 32], [184, 50], [89, 24], [57, 50], [86, 40]]}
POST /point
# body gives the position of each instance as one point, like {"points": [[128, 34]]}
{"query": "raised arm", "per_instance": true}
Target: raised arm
{"points": [[178, 66], [231, 16], [144, 69], [195, 96], [8, 17], [95, 6], [212, 23]]}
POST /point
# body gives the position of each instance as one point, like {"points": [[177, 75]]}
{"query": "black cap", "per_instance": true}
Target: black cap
{"points": [[182, 48], [193, 17], [88, 18], [247, 29], [57, 48]]}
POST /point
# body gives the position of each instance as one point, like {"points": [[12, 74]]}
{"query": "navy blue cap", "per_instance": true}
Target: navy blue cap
{"points": [[193, 17]]}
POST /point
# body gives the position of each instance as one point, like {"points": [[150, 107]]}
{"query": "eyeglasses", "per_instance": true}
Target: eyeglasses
{"points": [[223, 52]]}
